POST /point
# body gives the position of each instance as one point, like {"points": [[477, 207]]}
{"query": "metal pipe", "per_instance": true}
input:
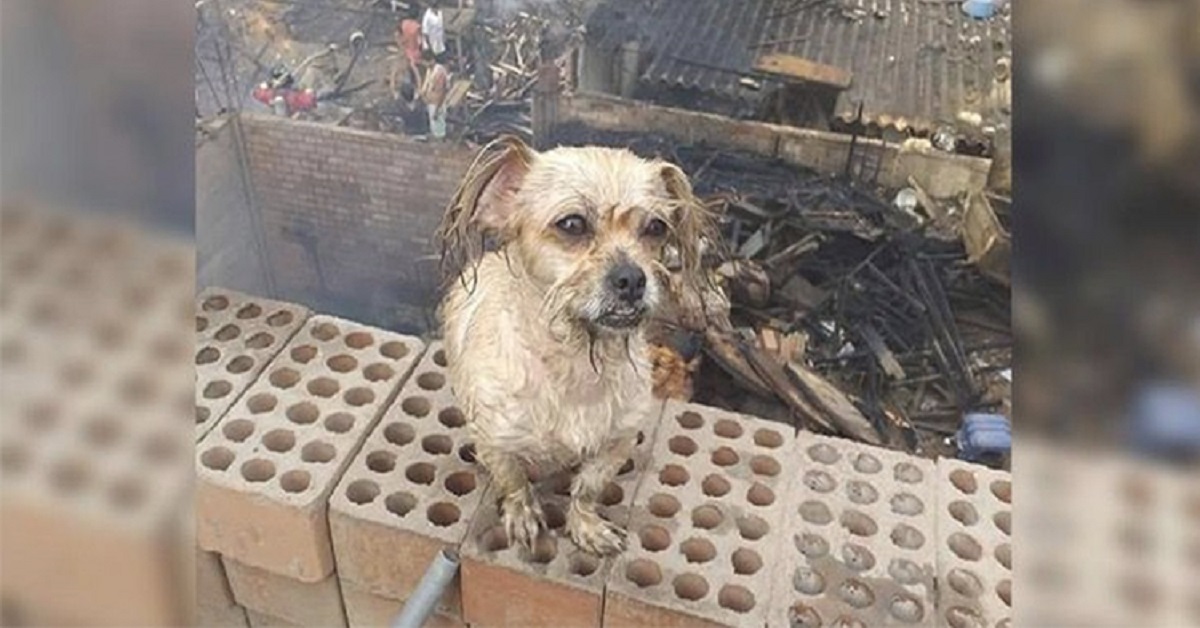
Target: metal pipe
{"points": [[437, 577]]}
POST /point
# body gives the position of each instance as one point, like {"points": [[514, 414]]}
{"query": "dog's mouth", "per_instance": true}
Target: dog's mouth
{"points": [[622, 317]]}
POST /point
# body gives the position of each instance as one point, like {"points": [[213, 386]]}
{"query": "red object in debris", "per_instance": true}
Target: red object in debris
{"points": [[295, 99]]}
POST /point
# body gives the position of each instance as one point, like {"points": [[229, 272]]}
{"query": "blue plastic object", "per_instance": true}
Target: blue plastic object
{"points": [[1165, 420], [984, 437], [980, 9]]}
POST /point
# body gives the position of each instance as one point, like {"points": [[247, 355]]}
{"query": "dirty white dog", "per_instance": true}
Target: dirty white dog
{"points": [[555, 263]]}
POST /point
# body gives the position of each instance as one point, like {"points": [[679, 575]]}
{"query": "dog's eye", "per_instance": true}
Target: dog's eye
{"points": [[655, 228], [573, 225]]}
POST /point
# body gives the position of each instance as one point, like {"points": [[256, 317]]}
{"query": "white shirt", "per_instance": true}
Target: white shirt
{"points": [[434, 30]]}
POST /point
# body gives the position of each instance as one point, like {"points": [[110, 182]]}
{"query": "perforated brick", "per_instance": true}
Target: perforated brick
{"points": [[557, 583], [860, 543], [410, 492], [703, 523], [974, 551], [266, 473], [304, 603], [366, 610], [236, 336]]}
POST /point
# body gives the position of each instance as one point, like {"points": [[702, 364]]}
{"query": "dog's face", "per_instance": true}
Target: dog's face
{"points": [[587, 225]]}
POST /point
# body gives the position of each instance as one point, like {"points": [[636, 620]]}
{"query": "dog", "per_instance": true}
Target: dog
{"points": [[554, 263]]}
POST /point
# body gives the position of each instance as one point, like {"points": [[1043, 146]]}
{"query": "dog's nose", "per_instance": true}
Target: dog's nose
{"points": [[627, 281]]}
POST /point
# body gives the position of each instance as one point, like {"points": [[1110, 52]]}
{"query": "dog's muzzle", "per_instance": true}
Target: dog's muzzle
{"points": [[625, 288]]}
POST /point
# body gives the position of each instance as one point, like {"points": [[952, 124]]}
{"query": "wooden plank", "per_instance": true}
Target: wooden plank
{"points": [[795, 67]]}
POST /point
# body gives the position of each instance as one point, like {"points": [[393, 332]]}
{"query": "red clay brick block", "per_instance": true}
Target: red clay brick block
{"points": [[265, 475], [411, 491], [301, 603], [367, 610], [704, 523]]}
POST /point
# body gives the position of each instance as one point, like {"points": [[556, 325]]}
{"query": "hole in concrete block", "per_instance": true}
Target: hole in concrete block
{"points": [[752, 528], [466, 453], [1002, 489], [325, 331], [261, 340], [663, 506], [378, 372], [627, 467], [1004, 591], [611, 495], [1003, 521], [393, 349], [555, 518], [858, 524], [907, 537], [399, 434], [724, 457], [443, 514], [1004, 555], [217, 389], [323, 387], [964, 546], [359, 340], [584, 565], [736, 598], [760, 495], [127, 494], [279, 441], [908, 473], [381, 461], [102, 432], [861, 493], [856, 593], [261, 403], [907, 504], [295, 481], [240, 364], [228, 332], [439, 358], [682, 446], [431, 381], [654, 538], [162, 447], [202, 414], [258, 470], [905, 571], [726, 428], [69, 476], [318, 451], [545, 548], [706, 517], [42, 416], [963, 617], [342, 363], [690, 420], [339, 422], [215, 304], [303, 354], [416, 406], [208, 355], [280, 318], [698, 550], [768, 438], [765, 465], [400, 503], [13, 458], [819, 481], [673, 475], [906, 608], [816, 513], [420, 473], [808, 581], [359, 396], [284, 377], [868, 464], [746, 562], [964, 481], [642, 572], [238, 430], [217, 458], [715, 485], [801, 615], [302, 413], [824, 454], [494, 539], [690, 586], [461, 483], [437, 444], [964, 582], [362, 492], [857, 557], [452, 418], [963, 512], [201, 323]]}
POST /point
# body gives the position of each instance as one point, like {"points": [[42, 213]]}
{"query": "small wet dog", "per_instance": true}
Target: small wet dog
{"points": [[555, 262]]}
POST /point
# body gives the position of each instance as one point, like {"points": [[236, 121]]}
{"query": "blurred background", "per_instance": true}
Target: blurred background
{"points": [[96, 117]]}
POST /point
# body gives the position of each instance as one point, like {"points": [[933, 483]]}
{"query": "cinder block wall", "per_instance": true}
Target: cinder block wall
{"points": [[348, 216]]}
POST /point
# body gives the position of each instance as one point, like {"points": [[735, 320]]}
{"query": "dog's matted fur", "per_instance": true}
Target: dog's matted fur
{"points": [[554, 263]]}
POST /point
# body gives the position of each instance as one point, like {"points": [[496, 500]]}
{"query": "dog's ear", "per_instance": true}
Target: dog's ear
{"points": [[692, 223], [483, 204]]}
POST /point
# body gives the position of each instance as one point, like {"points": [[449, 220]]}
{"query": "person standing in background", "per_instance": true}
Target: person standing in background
{"points": [[434, 29], [433, 92], [408, 37]]}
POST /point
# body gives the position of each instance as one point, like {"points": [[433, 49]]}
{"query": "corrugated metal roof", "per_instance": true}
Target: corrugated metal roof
{"points": [[915, 63]]}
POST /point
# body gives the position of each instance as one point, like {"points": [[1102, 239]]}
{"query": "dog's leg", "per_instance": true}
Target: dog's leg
{"points": [[586, 527], [523, 516]]}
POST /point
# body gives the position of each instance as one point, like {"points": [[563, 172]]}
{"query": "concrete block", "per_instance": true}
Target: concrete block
{"points": [[263, 620], [974, 544], [556, 584], [300, 603], [411, 491], [231, 617], [236, 336], [212, 587], [860, 547], [265, 476], [365, 609], [704, 523]]}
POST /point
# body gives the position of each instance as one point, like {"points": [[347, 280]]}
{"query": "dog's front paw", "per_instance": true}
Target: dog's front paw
{"points": [[593, 534], [523, 519]]}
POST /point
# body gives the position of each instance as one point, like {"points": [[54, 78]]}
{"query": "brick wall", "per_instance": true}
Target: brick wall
{"points": [[348, 216], [941, 174]]}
